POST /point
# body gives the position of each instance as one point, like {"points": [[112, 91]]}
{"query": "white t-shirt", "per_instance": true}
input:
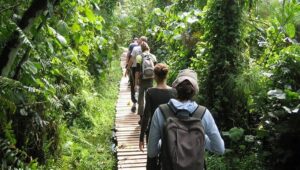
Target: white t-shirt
{"points": [[137, 50]]}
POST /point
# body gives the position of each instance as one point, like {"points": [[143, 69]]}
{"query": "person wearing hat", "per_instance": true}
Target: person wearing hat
{"points": [[186, 86]]}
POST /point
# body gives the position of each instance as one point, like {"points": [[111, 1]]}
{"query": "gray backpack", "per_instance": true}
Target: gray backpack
{"points": [[147, 66], [183, 141]]}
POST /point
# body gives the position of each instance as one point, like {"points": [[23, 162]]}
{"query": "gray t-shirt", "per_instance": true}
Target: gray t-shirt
{"points": [[137, 50]]}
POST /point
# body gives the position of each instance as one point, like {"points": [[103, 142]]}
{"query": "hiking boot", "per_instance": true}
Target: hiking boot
{"points": [[133, 108]]}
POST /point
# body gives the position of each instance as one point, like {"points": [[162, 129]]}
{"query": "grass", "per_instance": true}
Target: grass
{"points": [[87, 144]]}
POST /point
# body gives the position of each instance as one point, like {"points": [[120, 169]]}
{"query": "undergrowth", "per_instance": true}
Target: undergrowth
{"points": [[230, 162], [87, 143]]}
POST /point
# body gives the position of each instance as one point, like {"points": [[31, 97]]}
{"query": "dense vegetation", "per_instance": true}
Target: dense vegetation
{"points": [[57, 57]]}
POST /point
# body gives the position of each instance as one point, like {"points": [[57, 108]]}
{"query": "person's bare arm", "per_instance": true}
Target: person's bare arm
{"points": [[130, 62]]}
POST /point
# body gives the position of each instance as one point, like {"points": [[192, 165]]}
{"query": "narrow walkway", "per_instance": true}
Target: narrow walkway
{"points": [[127, 130]]}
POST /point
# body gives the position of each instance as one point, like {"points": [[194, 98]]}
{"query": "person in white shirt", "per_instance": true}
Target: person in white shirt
{"points": [[136, 50]]}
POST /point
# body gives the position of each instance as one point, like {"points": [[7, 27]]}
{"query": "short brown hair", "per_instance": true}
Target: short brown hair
{"points": [[145, 46], [161, 71], [144, 38]]}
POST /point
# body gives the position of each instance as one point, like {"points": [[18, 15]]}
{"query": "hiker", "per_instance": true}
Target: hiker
{"points": [[128, 56], [144, 75], [184, 127], [160, 94], [136, 50]]}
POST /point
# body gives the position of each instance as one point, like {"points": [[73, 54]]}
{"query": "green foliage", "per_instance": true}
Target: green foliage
{"points": [[173, 36], [246, 54], [88, 145], [12, 157], [224, 53], [241, 50], [245, 161], [234, 134], [63, 59]]}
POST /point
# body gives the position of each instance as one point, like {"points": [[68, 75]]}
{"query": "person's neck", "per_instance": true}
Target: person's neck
{"points": [[162, 85], [183, 101]]}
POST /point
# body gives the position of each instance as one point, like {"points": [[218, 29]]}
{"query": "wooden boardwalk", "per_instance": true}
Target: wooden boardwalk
{"points": [[127, 130]]}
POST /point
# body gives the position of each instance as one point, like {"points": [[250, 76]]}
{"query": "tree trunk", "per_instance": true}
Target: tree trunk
{"points": [[12, 46]]}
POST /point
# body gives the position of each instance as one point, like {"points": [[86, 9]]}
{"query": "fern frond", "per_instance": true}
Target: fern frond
{"points": [[23, 36], [7, 83], [11, 157], [11, 84], [8, 104]]}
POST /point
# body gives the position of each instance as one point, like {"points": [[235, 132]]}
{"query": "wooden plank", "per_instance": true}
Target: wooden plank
{"points": [[133, 168], [127, 130], [127, 161], [132, 165], [129, 150], [128, 143], [127, 136], [127, 122], [132, 157], [131, 153], [126, 133], [123, 120]]}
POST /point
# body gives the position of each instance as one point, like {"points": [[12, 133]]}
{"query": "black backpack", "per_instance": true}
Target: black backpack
{"points": [[183, 141]]}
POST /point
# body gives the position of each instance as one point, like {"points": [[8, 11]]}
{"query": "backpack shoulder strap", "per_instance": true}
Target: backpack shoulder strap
{"points": [[199, 112], [153, 57], [166, 110]]}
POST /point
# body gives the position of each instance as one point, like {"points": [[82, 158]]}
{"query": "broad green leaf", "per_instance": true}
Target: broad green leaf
{"points": [[61, 39], [183, 15], [98, 25], [85, 49], [277, 93], [56, 60], [90, 15], [102, 41], [249, 138], [50, 46], [78, 39], [157, 11], [30, 66], [40, 83], [62, 27], [51, 30], [38, 65], [192, 20], [56, 72], [287, 109], [76, 27], [177, 37], [197, 12], [236, 133], [290, 30], [23, 112]]}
